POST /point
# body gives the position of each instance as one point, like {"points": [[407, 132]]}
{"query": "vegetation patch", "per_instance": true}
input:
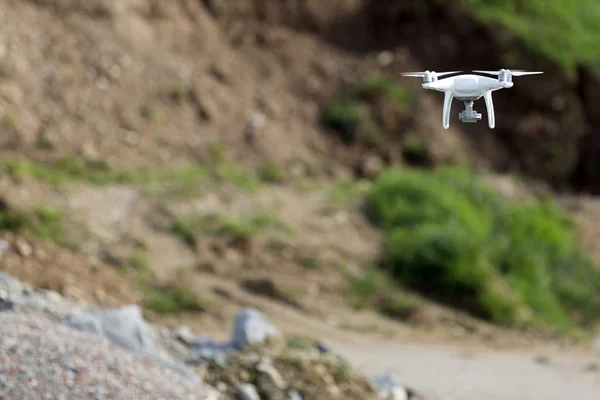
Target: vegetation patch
{"points": [[307, 371], [271, 173], [169, 299], [219, 225], [8, 122], [181, 179], [415, 151], [149, 112], [375, 290], [369, 110], [455, 240], [161, 299], [70, 168], [41, 223], [348, 193], [180, 94], [565, 32], [362, 327]]}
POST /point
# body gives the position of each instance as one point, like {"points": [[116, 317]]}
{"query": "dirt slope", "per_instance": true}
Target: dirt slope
{"points": [[155, 83], [151, 82]]}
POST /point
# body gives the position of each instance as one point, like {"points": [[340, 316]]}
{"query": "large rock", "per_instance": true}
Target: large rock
{"points": [[389, 388], [252, 327], [126, 328], [247, 391], [123, 326]]}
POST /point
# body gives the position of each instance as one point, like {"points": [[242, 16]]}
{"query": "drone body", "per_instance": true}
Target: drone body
{"points": [[468, 88]]}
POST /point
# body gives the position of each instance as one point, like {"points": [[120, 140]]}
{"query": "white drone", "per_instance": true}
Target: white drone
{"points": [[468, 88]]}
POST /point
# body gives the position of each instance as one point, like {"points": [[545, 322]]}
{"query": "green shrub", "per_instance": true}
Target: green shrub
{"points": [[565, 32], [343, 115], [455, 240]]}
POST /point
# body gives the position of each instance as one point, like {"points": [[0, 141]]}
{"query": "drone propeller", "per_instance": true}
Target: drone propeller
{"points": [[515, 72], [425, 73]]}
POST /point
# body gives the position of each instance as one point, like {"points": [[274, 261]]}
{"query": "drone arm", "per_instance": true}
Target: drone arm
{"points": [[489, 104], [446, 112]]}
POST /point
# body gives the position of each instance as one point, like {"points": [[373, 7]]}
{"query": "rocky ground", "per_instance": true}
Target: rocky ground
{"points": [[114, 353], [102, 350]]}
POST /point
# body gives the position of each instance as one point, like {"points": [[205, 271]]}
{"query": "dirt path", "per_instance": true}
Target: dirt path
{"points": [[461, 373]]}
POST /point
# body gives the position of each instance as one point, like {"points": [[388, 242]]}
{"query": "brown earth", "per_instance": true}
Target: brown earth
{"points": [[148, 82]]}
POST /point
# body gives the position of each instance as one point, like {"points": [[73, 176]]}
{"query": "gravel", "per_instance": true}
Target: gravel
{"points": [[19, 297], [41, 359]]}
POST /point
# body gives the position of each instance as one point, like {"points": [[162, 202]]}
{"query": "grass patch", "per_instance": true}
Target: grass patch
{"points": [[180, 94], [310, 261], [169, 299], [70, 168], [271, 173], [348, 193], [227, 172], [41, 223], [8, 122], [376, 291], [343, 115], [455, 240], [302, 343], [366, 327], [565, 32], [161, 299], [149, 112], [215, 224], [181, 179]]}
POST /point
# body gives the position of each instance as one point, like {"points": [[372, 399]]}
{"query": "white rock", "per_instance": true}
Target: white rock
{"points": [[247, 392], [252, 327], [184, 334]]}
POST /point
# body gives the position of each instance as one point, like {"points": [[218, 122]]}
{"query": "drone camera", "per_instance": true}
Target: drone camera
{"points": [[469, 115]]}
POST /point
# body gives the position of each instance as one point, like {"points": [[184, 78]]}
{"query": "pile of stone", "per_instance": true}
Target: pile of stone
{"points": [[257, 363]]}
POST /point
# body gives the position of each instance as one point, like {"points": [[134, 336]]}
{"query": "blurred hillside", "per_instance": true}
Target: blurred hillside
{"points": [[196, 156]]}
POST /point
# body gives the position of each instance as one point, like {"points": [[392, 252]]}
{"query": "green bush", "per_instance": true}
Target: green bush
{"points": [[343, 115], [455, 240], [565, 32]]}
